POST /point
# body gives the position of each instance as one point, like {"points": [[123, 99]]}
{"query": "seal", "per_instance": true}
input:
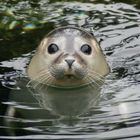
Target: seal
{"points": [[68, 57]]}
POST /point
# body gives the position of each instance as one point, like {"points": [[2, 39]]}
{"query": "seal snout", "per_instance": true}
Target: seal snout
{"points": [[69, 62]]}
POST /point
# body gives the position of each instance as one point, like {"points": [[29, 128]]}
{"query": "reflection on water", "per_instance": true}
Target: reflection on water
{"points": [[115, 116], [68, 102]]}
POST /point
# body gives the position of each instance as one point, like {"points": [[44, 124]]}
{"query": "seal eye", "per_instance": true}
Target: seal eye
{"points": [[53, 48], [86, 49]]}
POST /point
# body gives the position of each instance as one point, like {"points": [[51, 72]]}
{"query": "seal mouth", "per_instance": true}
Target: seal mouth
{"points": [[70, 76], [88, 84]]}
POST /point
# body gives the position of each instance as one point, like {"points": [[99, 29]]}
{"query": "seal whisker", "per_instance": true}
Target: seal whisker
{"points": [[92, 81], [92, 77], [40, 74], [97, 79], [39, 84], [96, 74], [38, 79]]}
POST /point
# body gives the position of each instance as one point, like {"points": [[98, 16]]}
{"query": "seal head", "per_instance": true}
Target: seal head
{"points": [[68, 57]]}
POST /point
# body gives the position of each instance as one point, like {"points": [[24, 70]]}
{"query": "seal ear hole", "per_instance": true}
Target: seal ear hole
{"points": [[52, 48], [86, 49]]}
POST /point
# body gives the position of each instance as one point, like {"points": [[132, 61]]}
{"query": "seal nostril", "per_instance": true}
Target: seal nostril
{"points": [[69, 62]]}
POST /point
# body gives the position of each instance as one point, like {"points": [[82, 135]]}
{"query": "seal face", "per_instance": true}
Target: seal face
{"points": [[68, 57]]}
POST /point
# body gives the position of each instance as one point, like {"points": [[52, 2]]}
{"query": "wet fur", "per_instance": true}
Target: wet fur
{"points": [[51, 69]]}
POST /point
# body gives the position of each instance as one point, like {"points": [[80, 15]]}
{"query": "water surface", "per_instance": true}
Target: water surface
{"points": [[116, 24]]}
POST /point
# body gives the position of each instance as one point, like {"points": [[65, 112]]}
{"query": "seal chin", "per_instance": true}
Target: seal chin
{"points": [[67, 79]]}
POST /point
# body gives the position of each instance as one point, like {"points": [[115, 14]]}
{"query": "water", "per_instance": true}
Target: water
{"points": [[116, 26]]}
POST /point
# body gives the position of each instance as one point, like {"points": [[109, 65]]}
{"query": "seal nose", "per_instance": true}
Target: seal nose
{"points": [[69, 62]]}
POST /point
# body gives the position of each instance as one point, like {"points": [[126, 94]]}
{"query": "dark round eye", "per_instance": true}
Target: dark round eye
{"points": [[86, 49], [53, 48]]}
